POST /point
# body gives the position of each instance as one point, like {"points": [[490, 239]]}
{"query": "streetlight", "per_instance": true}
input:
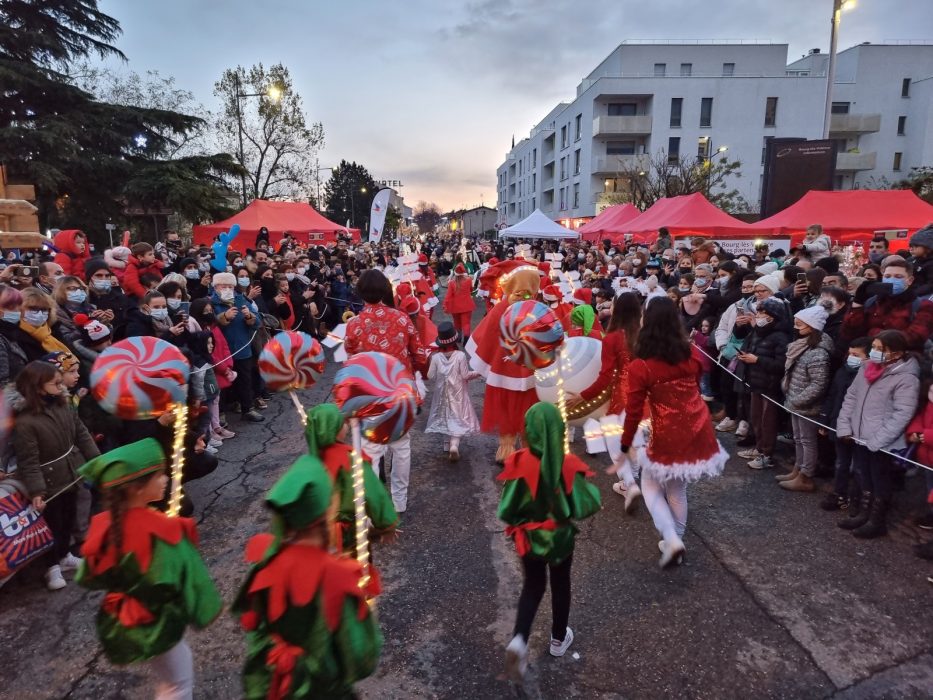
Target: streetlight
{"points": [[274, 93], [838, 7], [317, 178]]}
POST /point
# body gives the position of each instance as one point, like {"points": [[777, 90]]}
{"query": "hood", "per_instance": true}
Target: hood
{"points": [[65, 242]]}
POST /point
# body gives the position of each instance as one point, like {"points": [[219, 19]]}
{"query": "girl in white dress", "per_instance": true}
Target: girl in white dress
{"points": [[452, 413]]}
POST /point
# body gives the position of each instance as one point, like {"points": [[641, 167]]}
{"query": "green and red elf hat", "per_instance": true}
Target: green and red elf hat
{"points": [[124, 464]]}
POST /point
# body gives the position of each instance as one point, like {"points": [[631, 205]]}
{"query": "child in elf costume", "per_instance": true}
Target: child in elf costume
{"points": [[149, 565], [310, 630], [545, 490], [324, 430]]}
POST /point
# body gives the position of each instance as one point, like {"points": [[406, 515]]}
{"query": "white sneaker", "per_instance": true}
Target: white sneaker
{"points": [[210, 450], [631, 493], [742, 430], [70, 562], [671, 552], [558, 647], [750, 453], [726, 425], [619, 488], [761, 462], [215, 442], [571, 433], [516, 659], [54, 580]]}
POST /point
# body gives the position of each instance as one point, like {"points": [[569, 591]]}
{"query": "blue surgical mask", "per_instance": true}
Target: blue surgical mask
{"points": [[876, 356], [76, 296], [289, 276], [159, 314], [853, 361], [173, 304], [192, 274], [12, 316], [102, 285], [36, 318], [701, 281], [243, 281], [897, 284]]}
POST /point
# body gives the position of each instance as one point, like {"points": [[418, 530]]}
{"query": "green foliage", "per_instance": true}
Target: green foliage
{"points": [[348, 194], [920, 180], [393, 221]]}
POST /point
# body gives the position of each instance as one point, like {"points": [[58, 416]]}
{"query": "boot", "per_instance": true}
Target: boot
{"points": [[857, 512], [789, 476], [876, 525], [801, 482]]}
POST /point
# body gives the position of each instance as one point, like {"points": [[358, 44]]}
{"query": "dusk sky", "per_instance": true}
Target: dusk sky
{"points": [[430, 92]]}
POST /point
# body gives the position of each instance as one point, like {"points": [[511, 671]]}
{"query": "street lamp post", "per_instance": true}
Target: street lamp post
{"points": [[838, 7], [317, 177], [274, 93]]}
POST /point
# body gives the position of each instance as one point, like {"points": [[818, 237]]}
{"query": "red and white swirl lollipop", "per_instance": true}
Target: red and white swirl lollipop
{"points": [[378, 389], [291, 360], [531, 334]]}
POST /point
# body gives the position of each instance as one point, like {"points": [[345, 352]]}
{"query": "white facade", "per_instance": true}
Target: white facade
{"points": [[728, 95]]}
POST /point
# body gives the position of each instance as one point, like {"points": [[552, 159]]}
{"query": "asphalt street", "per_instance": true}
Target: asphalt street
{"points": [[774, 601]]}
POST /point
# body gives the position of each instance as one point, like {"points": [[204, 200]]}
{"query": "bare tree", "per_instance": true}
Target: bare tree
{"points": [[427, 216]]}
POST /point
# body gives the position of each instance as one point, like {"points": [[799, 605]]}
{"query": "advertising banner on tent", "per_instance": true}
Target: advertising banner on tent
{"points": [[377, 216], [746, 246]]}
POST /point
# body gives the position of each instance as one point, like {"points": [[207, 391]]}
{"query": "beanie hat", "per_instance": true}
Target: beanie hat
{"points": [[813, 316], [773, 307], [223, 278], [95, 265], [92, 330], [65, 361], [767, 268], [923, 237], [769, 282], [120, 252], [185, 262]]}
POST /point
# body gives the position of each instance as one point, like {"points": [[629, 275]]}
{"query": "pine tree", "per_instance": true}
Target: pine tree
{"points": [[349, 194]]}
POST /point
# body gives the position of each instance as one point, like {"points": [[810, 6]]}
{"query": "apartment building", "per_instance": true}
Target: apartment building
{"points": [[719, 100]]}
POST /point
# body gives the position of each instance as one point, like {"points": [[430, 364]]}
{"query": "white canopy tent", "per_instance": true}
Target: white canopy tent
{"points": [[537, 225]]}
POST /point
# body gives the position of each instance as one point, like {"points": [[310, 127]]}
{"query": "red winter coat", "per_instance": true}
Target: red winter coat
{"points": [[459, 297], [923, 424], [68, 257], [891, 313], [134, 270], [222, 356]]}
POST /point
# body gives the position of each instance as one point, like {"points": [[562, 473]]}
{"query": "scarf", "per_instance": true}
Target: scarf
{"points": [[324, 422], [583, 316], [43, 336], [873, 371], [544, 432], [795, 350]]}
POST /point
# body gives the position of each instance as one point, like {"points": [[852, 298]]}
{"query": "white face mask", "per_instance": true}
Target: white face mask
{"points": [[289, 276], [853, 361], [159, 314], [762, 322], [225, 294]]}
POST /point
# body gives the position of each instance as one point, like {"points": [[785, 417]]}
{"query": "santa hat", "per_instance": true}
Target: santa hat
{"points": [[460, 269], [551, 293], [410, 305], [422, 259], [92, 330], [584, 295], [544, 269]]}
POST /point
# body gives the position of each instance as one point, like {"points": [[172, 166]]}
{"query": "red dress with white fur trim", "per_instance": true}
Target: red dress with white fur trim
{"points": [[682, 444]]}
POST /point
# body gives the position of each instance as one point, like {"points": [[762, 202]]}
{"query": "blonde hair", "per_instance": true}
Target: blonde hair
{"points": [[39, 299], [58, 291]]}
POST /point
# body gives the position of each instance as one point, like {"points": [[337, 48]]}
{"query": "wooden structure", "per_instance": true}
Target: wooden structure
{"points": [[19, 220]]}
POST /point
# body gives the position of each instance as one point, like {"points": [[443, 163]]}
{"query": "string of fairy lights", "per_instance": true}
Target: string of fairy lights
{"points": [[178, 459]]}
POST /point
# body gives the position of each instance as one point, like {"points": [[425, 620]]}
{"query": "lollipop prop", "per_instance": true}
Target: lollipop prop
{"points": [[376, 392], [143, 378], [290, 361]]}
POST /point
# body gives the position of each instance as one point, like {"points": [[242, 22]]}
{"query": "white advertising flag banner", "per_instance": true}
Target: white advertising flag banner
{"points": [[377, 217]]}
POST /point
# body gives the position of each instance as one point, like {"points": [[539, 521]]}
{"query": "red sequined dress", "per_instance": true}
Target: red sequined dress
{"points": [[682, 444], [614, 370]]}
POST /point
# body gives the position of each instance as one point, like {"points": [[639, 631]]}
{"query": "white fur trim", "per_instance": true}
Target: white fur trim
{"points": [[688, 471], [511, 383]]}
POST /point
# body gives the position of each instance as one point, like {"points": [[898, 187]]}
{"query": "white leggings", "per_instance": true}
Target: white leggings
{"points": [[625, 472], [174, 672], [667, 503]]}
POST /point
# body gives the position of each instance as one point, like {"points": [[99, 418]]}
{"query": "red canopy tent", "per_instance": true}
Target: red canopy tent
{"points": [[686, 215], [610, 223], [850, 215], [297, 218]]}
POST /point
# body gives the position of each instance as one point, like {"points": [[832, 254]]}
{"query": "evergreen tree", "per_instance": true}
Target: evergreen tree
{"points": [[348, 194]]}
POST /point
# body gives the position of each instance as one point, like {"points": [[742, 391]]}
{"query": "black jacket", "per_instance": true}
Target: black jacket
{"points": [[769, 343], [832, 404]]}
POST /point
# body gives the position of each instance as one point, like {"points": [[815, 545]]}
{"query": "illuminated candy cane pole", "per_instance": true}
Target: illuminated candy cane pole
{"points": [[360, 529], [563, 367], [302, 414], [178, 459]]}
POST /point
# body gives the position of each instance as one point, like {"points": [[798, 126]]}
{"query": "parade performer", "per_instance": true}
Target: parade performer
{"points": [[583, 323], [584, 297], [552, 296], [617, 351], [510, 387], [458, 302], [545, 490], [324, 431], [149, 565], [682, 446], [452, 413], [310, 631]]}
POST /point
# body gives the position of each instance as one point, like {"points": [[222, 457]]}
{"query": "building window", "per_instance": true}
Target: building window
{"points": [[660, 70], [578, 127], [728, 70], [840, 108], [623, 109], [686, 70], [563, 168], [563, 137], [897, 160], [534, 182], [764, 149], [771, 111], [620, 148], [901, 126], [703, 148], [563, 198], [534, 204], [677, 108], [576, 196], [534, 158], [576, 162], [905, 87], [673, 149], [706, 111]]}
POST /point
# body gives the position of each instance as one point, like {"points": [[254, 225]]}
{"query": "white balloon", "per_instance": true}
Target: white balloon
{"points": [[585, 362]]}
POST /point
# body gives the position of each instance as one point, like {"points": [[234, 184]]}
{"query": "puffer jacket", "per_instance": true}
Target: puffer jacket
{"points": [[818, 248], [68, 257], [806, 379], [769, 344], [891, 312], [878, 413], [49, 448]]}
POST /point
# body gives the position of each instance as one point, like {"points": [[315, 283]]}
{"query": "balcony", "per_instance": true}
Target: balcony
{"points": [[854, 124], [621, 126], [848, 162], [547, 183], [610, 165]]}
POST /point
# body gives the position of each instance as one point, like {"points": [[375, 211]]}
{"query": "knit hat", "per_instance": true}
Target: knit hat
{"points": [[185, 262], [446, 334], [223, 278], [63, 360], [302, 495], [551, 293], [813, 316], [773, 307], [95, 265], [768, 282], [321, 429], [767, 268], [92, 330], [460, 269], [120, 252], [584, 295], [923, 237], [124, 464]]}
